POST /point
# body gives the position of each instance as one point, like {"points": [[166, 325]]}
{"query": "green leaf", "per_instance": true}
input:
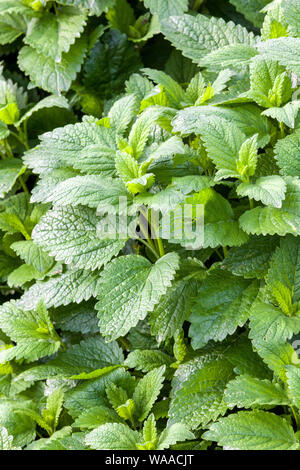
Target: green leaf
{"points": [[218, 312], [92, 393], [6, 441], [76, 318], [122, 112], [112, 60], [283, 280], [89, 355], [172, 89], [293, 380], [198, 35], [142, 127], [146, 360], [12, 25], [291, 13], [10, 170], [271, 220], [285, 50], [247, 118], [95, 7], [172, 434], [18, 425], [32, 254], [48, 102], [147, 391], [247, 392], [221, 142], [53, 34], [52, 76], [113, 436], [270, 190], [166, 8], [199, 399], [277, 356], [96, 416], [251, 10], [149, 433], [86, 146], [32, 331], [173, 309], [287, 154], [252, 259], [235, 56], [129, 288], [270, 85], [21, 275], [253, 430], [63, 289], [70, 235], [220, 228], [287, 114]]}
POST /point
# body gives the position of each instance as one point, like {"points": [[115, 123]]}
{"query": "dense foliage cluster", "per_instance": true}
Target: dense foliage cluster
{"points": [[148, 341]]}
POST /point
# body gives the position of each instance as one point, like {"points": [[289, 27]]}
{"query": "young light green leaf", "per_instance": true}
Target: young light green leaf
{"points": [[147, 391]]}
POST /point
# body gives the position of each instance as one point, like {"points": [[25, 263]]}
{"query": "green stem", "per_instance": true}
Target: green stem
{"points": [[197, 4], [160, 247], [149, 247], [282, 130], [8, 150], [225, 251], [23, 184], [219, 254], [296, 417], [21, 138], [251, 202]]}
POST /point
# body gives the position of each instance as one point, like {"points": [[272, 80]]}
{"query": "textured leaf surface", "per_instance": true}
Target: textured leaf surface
{"points": [[270, 190], [129, 288], [252, 259], [196, 36], [113, 436], [271, 220], [52, 35], [85, 145], [293, 380], [246, 392], [70, 235], [52, 76], [89, 355], [253, 430], [147, 391], [285, 50], [218, 312], [32, 331], [167, 8], [200, 398], [287, 153], [63, 289]]}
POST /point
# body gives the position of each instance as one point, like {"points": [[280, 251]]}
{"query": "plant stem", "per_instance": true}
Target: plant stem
{"points": [[225, 251], [23, 184], [296, 417], [282, 131], [197, 4], [251, 202], [149, 247], [160, 247], [219, 254]]}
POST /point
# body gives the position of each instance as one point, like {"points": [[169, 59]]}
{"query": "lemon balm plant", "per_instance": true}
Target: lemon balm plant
{"points": [[157, 116]]}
